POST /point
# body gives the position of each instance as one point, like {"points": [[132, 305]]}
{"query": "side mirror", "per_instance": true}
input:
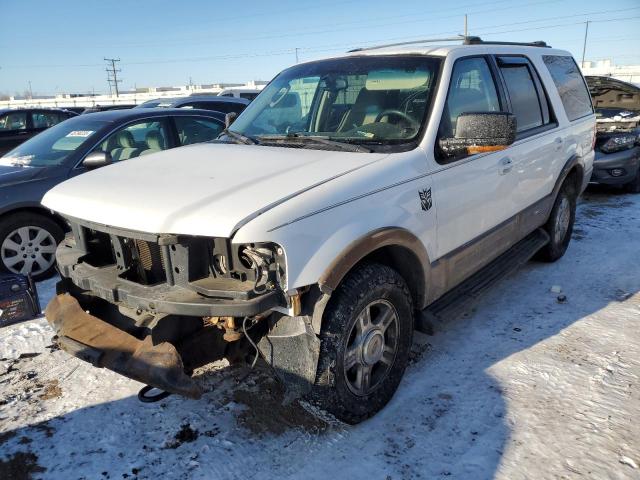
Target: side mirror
{"points": [[481, 133], [229, 118], [96, 160]]}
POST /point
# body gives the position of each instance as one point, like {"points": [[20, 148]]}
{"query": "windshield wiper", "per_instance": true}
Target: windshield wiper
{"points": [[240, 138], [298, 138]]}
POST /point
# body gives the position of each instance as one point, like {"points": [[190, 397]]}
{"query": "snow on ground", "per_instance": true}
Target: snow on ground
{"points": [[523, 387]]}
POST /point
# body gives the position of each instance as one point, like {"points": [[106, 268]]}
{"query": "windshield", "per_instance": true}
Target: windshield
{"points": [[375, 100], [53, 146]]}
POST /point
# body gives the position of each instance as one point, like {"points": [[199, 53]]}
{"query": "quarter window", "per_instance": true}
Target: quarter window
{"points": [[471, 90], [571, 87]]}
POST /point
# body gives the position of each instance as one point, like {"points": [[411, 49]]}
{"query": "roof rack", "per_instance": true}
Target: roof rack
{"points": [[468, 40], [479, 41], [457, 38]]}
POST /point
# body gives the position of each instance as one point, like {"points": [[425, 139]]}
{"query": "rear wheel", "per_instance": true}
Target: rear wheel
{"points": [[28, 244], [365, 342], [560, 223]]}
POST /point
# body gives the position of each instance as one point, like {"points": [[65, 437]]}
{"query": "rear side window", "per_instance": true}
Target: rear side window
{"points": [[46, 119], [523, 94], [571, 87], [197, 129]]}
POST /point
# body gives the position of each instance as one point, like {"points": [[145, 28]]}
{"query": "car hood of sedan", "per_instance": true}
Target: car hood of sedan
{"points": [[206, 189]]}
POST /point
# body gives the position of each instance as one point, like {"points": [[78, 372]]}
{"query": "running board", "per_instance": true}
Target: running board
{"points": [[461, 298]]}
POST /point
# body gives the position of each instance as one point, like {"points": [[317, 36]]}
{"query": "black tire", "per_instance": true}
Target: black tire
{"points": [[34, 222], [634, 185], [384, 294], [560, 236]]}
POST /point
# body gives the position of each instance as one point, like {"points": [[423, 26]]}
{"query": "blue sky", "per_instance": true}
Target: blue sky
{"points": [[59, 45]]}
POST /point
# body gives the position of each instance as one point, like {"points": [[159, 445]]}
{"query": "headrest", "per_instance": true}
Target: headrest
{"points": [[126, 140], [154, 140]]}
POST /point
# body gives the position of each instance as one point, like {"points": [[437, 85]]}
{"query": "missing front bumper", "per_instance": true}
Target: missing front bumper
{"points": [[105, 346]]}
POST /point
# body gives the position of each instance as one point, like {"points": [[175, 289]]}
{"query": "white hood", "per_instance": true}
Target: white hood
{"points": [[207, 189]]}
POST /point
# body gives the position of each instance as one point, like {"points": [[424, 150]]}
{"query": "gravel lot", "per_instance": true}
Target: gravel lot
{"points": [[521, 387]]}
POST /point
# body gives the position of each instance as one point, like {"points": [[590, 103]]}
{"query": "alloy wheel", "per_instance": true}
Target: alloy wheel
{"points": [[371, 347]]}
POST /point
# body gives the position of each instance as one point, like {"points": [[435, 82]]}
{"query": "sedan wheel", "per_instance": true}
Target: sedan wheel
{"points": [[28, 250]]}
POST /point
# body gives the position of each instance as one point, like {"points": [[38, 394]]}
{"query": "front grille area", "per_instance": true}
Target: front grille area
{"points": [[137, 260], [150, 262]]}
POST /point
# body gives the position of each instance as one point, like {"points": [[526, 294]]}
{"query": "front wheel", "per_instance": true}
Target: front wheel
{"points": [[560, 223], [365, 341], [28, 244]]}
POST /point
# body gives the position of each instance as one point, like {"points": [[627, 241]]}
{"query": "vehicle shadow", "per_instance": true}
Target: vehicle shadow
{"points": [[453, 416]]}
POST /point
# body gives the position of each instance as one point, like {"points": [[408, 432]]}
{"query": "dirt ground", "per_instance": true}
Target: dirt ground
{"points": [[523, 387]]}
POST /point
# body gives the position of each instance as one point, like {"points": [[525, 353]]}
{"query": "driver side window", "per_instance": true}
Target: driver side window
{"points": [[142, 138], [471, 90]]}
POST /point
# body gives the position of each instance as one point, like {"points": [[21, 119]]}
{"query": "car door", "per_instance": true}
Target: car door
{"points": [[14, 129], [538, 148], [471, 193]]}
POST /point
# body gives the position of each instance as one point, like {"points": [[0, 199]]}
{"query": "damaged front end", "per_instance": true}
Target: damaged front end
{"points": [[155, 307]]}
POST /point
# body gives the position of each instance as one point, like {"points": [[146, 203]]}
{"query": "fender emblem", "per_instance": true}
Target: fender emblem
{"points": [[425, 199]]}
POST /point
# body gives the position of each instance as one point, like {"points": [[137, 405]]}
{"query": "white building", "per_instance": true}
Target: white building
{"points": [[137, 96], [606, 68]]}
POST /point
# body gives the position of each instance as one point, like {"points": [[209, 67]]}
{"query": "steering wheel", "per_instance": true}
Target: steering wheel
{"points": [[397, 113]]}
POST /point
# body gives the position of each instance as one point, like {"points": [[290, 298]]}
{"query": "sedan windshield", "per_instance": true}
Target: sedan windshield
{"points": [[372, 100], [53, 146]]}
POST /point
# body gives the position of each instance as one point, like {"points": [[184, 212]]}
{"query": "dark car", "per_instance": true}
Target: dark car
{"points": [[29, 233], [617, 106], [19, 125], [205, 102], [105, 108]]}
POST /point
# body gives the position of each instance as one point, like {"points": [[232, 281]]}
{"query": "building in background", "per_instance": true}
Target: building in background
{"points": [[606, 68], [139, 95]]}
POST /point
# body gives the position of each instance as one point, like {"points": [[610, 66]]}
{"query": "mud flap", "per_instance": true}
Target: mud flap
{"points": [[292, 348], [103, 345]]}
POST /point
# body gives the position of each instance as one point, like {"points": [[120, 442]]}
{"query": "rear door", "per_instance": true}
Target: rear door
{"points": [[471, 193], [538, 149]]}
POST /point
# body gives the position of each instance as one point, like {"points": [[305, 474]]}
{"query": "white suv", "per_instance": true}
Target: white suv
{"points": [[329, 221]]}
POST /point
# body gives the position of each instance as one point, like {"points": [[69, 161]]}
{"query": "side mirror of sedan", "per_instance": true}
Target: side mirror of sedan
{"points": [[481, 133], [96, 160]]}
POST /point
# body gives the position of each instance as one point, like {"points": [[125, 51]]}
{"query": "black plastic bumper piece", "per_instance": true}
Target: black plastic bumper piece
{"points": [[163, 298]]}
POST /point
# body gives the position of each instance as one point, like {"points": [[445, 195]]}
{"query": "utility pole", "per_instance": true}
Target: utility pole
{"points": [[30, 91], [584, 47], [112, 74], [466, 31], [297, 54]]}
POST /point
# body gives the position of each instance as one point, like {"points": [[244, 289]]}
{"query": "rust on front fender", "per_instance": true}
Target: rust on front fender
{"points": [[100, 343]]}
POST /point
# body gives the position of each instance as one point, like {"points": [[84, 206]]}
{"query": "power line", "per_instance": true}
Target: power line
{"points": [[341, 46], [112, 74]]}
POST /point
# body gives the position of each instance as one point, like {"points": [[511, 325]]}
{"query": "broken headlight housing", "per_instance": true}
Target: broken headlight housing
{"points": [[619, 142]]}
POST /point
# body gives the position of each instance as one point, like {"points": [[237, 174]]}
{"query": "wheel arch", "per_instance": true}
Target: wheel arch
{"points": [[36, 209], [395, 247]]}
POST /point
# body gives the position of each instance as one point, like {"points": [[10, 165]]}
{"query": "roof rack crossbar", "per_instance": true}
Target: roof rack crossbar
{"points": [[479, 41], [468, 40]]}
